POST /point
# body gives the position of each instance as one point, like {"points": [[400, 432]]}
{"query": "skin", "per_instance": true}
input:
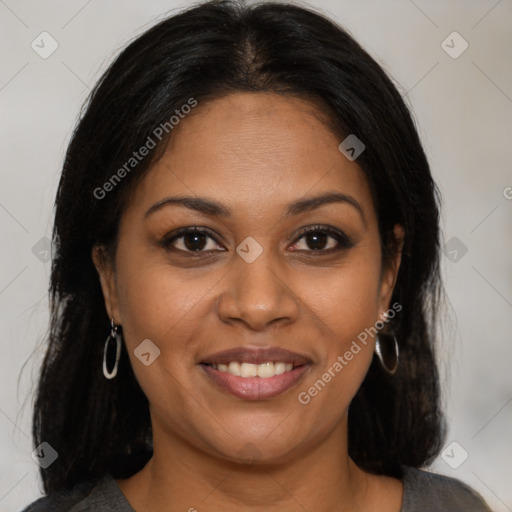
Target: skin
{"points": [[255, 153]]}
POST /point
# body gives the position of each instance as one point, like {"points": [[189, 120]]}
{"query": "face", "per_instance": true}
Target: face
{"points": [[250, 285]]}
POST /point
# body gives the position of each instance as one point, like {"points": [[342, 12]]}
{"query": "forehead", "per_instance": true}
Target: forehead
{"points": [[254, 152]]}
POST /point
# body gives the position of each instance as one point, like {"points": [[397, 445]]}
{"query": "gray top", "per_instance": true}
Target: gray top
{"points": [[423, 492]]}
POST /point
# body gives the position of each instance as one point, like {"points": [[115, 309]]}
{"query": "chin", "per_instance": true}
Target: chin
{"points": [[258, 451]]}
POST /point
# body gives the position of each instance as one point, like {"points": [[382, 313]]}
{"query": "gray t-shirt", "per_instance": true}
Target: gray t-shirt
{"points": [[423, 492]]}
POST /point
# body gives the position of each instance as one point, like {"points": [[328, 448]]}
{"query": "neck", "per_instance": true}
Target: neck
{"points": [[184, 478]]}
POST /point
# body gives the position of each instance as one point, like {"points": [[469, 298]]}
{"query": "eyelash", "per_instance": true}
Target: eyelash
{"points": [[344, 242]]}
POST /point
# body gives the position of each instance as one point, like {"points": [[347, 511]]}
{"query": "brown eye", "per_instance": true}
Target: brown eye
{"points": [[317, 239], [191, 240], [323, 240]]}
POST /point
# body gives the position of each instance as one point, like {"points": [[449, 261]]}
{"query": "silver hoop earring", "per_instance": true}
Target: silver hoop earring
{"points": [[386, 348], [114, 335]]}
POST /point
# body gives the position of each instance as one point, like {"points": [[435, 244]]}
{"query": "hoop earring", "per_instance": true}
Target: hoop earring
{"points": [[114, 335], [386, 348]]}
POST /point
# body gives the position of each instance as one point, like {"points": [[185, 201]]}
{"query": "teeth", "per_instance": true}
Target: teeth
{"points": [[248, 370], [264, 370], [234, 368]]}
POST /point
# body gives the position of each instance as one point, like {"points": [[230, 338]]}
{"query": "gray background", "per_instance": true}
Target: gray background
{"points": [[463, 106]]}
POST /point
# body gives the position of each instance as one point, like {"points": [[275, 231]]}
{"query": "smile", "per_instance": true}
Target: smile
{"points": [[263, 371], [255, 373]]}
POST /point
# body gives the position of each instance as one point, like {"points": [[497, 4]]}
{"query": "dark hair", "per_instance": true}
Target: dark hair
{"points": [[206, 52]]}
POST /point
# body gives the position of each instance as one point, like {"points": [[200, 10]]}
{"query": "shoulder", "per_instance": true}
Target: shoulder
{"points": [[425, 491], [100, 495]]}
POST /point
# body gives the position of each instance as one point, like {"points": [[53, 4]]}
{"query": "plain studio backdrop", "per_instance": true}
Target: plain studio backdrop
{"points": [[452, 62]]}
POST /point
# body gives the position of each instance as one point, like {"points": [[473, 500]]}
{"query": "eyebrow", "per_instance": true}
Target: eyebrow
{"points": [[213, 208]]}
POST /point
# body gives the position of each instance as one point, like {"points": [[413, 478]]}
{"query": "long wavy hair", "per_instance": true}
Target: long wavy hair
{"points": [[208, 51]]}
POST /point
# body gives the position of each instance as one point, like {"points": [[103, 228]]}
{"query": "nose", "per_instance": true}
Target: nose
{"points": [[257, 294]]}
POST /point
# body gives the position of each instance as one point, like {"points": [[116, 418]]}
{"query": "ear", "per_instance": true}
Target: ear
{"points": [[390, 273], [106, 272]]}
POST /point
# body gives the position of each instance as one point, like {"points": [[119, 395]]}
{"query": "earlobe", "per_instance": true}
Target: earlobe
{"points": [[106, 275]]}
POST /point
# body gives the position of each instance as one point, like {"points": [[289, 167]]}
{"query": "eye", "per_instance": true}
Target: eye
{"points": [[191, 240], [323, 239], [320, 239]]}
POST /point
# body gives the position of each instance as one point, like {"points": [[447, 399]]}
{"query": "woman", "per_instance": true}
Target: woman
{"points": [[245, 281]]}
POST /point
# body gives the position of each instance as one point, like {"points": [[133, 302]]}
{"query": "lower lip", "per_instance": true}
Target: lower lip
{"points": [[256, 388]]}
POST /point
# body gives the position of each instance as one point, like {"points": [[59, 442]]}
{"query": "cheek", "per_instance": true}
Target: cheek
{"points": [[345, 305], [161, 303], [345, 298]]}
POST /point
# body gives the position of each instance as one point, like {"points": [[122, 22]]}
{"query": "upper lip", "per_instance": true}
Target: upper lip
{"points": [[256, 356]]}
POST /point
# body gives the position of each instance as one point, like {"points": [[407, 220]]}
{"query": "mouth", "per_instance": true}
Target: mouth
{"points": [[255, 374]]}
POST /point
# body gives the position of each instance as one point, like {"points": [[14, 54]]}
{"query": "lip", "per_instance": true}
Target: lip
{"points": [[256, 356], [256, 388]]}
